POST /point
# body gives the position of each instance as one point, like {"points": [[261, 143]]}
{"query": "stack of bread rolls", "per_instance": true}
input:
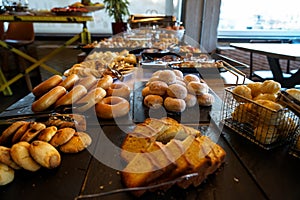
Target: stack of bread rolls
{"points": [[31, 145], [176, 92], [257, 106]]}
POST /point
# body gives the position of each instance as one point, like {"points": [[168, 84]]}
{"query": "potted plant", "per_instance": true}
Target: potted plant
{"points": [[118, 9]]}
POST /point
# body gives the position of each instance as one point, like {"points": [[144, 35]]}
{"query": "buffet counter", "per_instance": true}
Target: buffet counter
{"points": [[249, 171]]}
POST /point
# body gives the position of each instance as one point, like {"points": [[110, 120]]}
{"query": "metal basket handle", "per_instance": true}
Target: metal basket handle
{"points": [[225, 65]]}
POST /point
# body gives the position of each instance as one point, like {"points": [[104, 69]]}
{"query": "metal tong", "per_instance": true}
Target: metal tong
{"points": [[58, 111], [289, 101], [117, 73]]}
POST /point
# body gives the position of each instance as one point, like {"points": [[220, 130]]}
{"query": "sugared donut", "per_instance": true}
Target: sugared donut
{"points": [[168, 76], [153, 101], [205, 99], [174, 104], [243, 91], [177, 91], [197, 88], [118, 89], [70, 81], [158, 88], [191, 77], [190, 100], [112, 107], [46, 85], [270, 86], [105, 82]]}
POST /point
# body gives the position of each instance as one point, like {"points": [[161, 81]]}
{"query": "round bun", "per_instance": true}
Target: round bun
{"points": [[243, 91], [255, 88], [197, 88], [158, 88], [205, 99], [77, 143], [174, 104], [10, 131], [153, 101], [21, 155], [294, 93], [190, 100], [177, 91], [167, 76], [270, 86], [62, 136], [242, 113], [45, 154], [33, 130], [191, 77], [6, 159], [112, 107], [145, 91], [7, 174], [47, 134]]}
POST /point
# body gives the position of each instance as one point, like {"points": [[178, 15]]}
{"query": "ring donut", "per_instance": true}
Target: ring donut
{"points": [[48, 99], [118, 89], [46, 85], [174, 104], [70, 81], [112, 107], [105, 82]]}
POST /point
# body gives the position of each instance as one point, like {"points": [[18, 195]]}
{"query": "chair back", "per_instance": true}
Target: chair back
{"points": [[1, 30], [20, 31]]}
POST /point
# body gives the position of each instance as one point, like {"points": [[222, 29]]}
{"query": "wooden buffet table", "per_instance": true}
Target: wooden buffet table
{"points": [[249, 172], [84, 36]]}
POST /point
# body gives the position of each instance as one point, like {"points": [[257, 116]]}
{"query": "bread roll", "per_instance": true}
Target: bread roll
{"points": [[6, 174], [6, 159], [78, 142], [242, 90], [294, 93], [270, 87], [47, 134], [62, 136], [45, 154], [34, 129], [21, 155], [10, 131]]}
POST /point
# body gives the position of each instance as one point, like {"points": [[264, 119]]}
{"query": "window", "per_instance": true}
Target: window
{"points": [[256, 18], [102, 22]]}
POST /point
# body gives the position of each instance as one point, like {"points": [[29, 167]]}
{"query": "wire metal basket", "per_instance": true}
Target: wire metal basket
{"points": [[261, 125], [295, 147]]}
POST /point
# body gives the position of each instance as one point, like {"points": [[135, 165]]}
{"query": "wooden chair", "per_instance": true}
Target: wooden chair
{"points": [[20, 35]]}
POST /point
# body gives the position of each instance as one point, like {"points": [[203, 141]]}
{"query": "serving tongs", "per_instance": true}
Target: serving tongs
{"points": [[289, 101], [59, 111], [115, 72], [149, 187]]}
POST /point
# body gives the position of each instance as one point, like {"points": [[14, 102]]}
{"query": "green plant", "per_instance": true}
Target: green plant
{"points": [[117, 9]]}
